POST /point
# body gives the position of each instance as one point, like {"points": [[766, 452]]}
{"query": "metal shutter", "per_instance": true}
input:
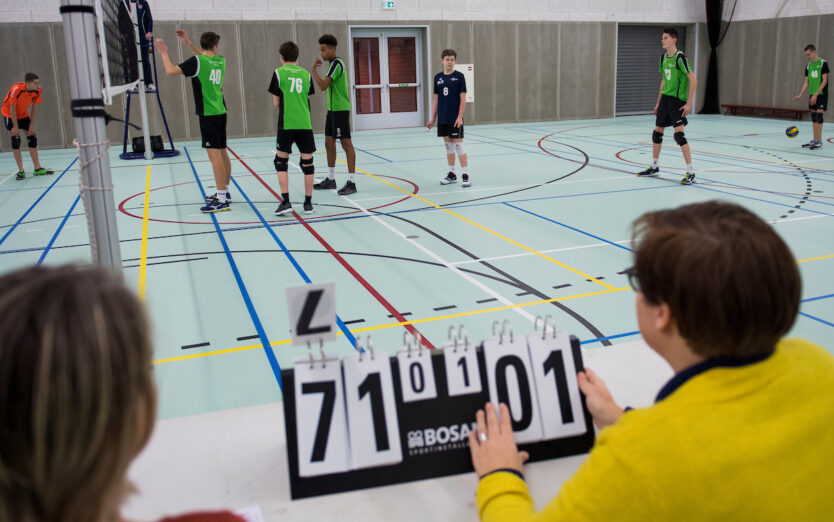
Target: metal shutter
{"points": [[638, 59]]}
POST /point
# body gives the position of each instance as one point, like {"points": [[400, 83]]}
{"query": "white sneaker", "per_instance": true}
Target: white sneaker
{"points": [[465, 181]]}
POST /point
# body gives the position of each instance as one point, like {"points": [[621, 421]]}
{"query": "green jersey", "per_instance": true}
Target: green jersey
{"points": [[674, 70], [814, 72], [337, 92], [293, 85], [207, 74]]}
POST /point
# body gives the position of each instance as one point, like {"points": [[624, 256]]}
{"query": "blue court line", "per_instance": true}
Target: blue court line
{"points": [[348, 335], [372, 154], [823, 321], [627, 334], [817, 298], [273, 362], [60, 227], [37, 201], [570, 227]]}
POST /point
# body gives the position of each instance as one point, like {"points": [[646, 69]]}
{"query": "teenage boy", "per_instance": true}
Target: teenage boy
{"points": [[291, 87], [16, 117], [816, 78], [337, 121], [674, 103], [207, 71], [448, 107]]}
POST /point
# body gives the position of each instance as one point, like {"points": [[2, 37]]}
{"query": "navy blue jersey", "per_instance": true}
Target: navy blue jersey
{"points": [[448, 88]]}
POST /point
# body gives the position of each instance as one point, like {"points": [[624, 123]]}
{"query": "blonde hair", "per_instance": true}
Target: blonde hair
{"points": [[77, 399]]}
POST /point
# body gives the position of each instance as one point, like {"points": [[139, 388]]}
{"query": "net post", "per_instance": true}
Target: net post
{"points": [[143, 102]]}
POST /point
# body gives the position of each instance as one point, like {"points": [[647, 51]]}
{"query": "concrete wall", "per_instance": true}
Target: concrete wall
{"points": [[761, 61], [524, 71], [765, 9]]}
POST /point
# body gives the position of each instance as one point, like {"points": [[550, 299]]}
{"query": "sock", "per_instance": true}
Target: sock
{"points": [[452, 169], [221, 196], [689, 168], [654, 163], [465, 170], [352, 177], [286, 197], [331, 174], [308, 199]]}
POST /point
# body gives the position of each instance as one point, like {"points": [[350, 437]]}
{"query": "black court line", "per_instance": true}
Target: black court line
{"points": [[561, 286], [355, 321], [404, 314], [248, 337], [198, 345], [169, 262], [440, 308], [482, 301]]}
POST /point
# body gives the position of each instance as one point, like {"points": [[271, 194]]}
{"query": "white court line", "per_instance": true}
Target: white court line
{"points": [[527, 315], [34, 230], [818, 216], [8, 178], [525, 254]]}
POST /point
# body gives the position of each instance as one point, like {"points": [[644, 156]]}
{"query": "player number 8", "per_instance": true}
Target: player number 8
{"points": [[445, 91]]}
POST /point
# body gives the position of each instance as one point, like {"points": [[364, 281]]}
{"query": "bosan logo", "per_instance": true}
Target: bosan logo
{"points": [[456, 436]]}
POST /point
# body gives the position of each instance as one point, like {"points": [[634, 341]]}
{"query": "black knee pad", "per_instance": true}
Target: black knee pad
{"points": [[657, 137], [16, 142], [32, 141], [680, 139], [816, 117], [307, 168], [281, 164]]}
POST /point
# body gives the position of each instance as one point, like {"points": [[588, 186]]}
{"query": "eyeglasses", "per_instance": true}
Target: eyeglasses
{"points": [[631, 273]]}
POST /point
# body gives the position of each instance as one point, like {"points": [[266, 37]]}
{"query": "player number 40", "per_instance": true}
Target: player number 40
{"points": [[216, 76]]}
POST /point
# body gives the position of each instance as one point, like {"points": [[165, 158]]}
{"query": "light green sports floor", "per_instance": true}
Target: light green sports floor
{"points": [[544, 230]]}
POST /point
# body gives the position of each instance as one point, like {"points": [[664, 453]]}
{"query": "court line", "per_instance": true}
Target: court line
{"points": [[372, 154], [356, 275], [815, 258], [809, 316], [569, 227], [401, 323], [442, 261], [58, 231], [7, 178], [143, 249], [292, 260], [618, 336], [817, 298], [273, 362], [36, 202], [490, 231], [525, 254]]}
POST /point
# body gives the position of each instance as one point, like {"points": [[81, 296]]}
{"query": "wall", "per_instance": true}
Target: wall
{"points": [[766, 9], [761, 61]]}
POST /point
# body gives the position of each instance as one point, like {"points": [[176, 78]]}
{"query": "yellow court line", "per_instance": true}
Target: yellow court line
{"points": [[392, 325], [143, 255], [815, 258], [490, 231]]}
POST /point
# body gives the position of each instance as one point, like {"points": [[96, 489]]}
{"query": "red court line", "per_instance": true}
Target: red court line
{"points": [[384, 302]]}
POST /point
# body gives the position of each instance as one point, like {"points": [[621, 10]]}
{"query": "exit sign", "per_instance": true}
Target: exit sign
{"points": [[388, 5]]}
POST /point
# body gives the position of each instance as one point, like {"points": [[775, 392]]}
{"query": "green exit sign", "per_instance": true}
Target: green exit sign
{"points": [[388, 5]]}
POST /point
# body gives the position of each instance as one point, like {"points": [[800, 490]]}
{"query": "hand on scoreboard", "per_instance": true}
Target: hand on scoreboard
{"points": [[599, 400], [493, 447]]}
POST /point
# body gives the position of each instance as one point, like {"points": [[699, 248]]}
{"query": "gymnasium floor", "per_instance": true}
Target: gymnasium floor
{"points": [[544, 230]]}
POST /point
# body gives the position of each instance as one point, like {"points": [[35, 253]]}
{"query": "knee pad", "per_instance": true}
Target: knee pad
{"points": [[657, 137], [450, 147], [307, 168], [816, 117], [16, 142], [32, 141], [680, 139], [459, 148], [281, 164]]}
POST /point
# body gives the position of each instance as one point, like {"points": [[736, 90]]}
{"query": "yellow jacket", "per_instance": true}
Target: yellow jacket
{"points": [[752, 442]]}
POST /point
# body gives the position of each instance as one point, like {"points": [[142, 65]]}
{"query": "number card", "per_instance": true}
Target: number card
{"points": [[322, 438], [554, 371], [511, 382], [416, 375], [373, 426], [463, 376]]}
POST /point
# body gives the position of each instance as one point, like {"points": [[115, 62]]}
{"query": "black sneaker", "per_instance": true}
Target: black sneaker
{"points": [[809, 145], [349, 188], [214, 196], [215, 206], [326, 183], [816, 145], [465, 181], [689, 179], [308, 208], [283, 208], [450, 178], [651, 172], [20, 175]]}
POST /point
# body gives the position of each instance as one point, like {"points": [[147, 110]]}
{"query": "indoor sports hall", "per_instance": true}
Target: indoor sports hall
{"points": [[558, 122]]}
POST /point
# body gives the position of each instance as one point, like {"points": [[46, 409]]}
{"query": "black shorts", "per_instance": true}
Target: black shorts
{"points": [[303, 138], [337, 125], [444, 130], [213, 131], [669, 112], [822, 102], [22, 124]]}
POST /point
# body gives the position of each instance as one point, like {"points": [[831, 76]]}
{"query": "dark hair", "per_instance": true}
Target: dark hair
{"points": [[448, 52], [671, 31], [810, 47], [731, 283], [30, 77], [288, 51], [209, 40], [328, 40]]}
